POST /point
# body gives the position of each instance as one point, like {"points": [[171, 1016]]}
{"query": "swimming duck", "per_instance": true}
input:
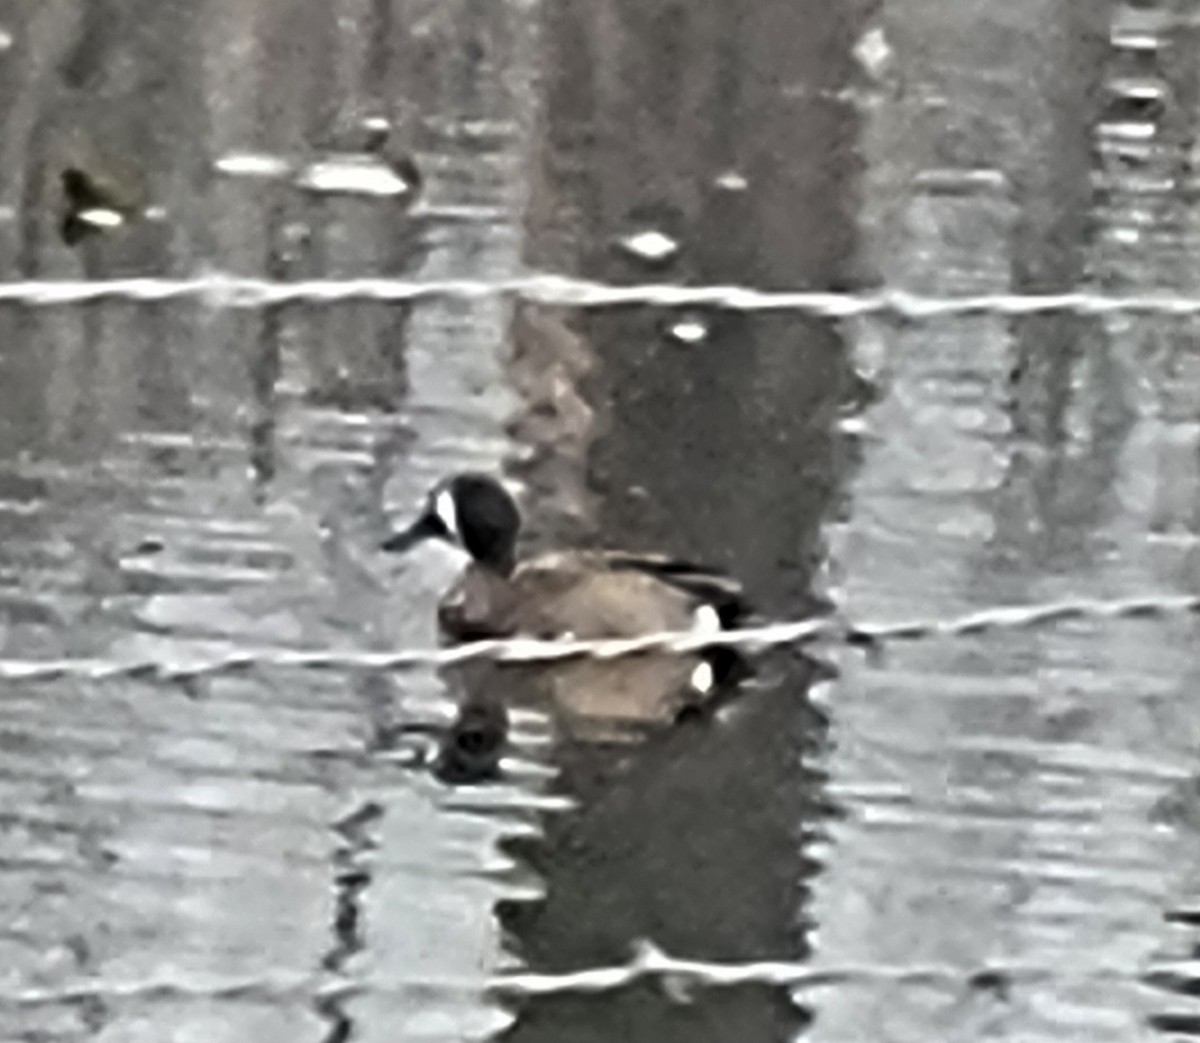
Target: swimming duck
{"points": [[95, 201], [583, 594]]}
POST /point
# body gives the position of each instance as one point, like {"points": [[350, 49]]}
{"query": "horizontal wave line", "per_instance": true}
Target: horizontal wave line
{"points": [[218, 290], [650, 962], [647, 963], [833, 629]]}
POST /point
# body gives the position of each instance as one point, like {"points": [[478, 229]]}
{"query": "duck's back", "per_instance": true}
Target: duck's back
{"points": [[588, 594], [601, 594]]}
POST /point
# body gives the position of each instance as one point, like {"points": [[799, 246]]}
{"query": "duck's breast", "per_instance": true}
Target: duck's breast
{"points": [[479, 605]]}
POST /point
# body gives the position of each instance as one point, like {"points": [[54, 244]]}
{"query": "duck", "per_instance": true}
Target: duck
{"points": [[579, 594], [97, 201]]}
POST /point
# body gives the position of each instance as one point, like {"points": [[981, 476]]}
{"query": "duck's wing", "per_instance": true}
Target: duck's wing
{"points": [[706, 585], [596, 594]]}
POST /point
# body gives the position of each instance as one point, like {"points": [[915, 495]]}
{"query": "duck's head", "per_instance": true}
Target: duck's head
{"points": [[472, 511], [474, 745]]}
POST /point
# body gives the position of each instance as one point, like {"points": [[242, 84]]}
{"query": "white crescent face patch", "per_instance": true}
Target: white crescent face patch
{"points": [[447, 512]]}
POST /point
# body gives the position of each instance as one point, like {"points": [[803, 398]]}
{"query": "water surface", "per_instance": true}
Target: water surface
{"points": [[981, 837]]}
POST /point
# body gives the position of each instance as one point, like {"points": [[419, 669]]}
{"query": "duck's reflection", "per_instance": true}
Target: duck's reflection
{"points": [[591, 705], [703, 143], [682, 832]]}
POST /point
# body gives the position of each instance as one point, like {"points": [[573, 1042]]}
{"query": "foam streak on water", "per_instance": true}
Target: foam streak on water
{"points": [[229, 291]]}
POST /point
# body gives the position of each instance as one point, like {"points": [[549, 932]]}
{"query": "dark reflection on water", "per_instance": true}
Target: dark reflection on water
{"points": [[693, 841], [720, 450]]}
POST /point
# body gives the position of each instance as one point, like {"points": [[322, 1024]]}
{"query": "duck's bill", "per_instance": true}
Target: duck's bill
{"points": [[425, 527]]}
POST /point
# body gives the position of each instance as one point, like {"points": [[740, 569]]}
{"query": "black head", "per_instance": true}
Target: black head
{"points": [[474, 745], [473, 511], [79, 189]]}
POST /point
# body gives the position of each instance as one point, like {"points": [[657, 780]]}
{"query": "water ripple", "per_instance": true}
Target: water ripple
{"points": [[242, 292]]}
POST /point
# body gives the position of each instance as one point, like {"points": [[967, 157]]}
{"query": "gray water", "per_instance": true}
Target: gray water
{"points": [[976, 838]]}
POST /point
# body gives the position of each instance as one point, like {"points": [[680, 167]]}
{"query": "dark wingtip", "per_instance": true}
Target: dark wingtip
{"points": [[707, 585]]}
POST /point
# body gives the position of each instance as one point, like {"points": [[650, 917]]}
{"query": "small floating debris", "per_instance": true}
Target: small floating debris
{"points": [[362, 166], [853, 425], [94, 202], [362, 175], [100, 217], [873, 51], [650, 245], [363, 162], [253, 164], [688, 329], [731, 181], [6, 40]]}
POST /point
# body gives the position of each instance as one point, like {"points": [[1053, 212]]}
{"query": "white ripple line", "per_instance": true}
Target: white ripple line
{"points": [[220, 290], [650, 962], [647, 963], [832, 630]]}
